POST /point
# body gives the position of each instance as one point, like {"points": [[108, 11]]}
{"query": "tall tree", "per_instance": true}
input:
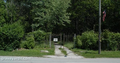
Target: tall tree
{"points": [[112, 18], [49, 13], [2, 13], [84, 14]]}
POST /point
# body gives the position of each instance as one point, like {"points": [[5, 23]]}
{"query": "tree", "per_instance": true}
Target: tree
{"points": [[112, 18], [11, 35], [2, 13], [48, 14], [61, 16], [82, 16], [11, 30]]}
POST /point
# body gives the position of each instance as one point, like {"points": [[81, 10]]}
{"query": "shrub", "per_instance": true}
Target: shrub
{"points": [[39, 36], [110, 40], [78, 41], [29, 43], [35, 38], [69, 45], [89, 40], [117, 38], [10, 36]]}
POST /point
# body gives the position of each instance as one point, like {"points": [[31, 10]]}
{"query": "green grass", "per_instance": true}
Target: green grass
{"points": [[69, 45], [94, 54], [36, 52], [29, 52]]}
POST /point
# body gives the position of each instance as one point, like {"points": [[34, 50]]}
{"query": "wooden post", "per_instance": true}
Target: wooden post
{"points": [[61, 37], [50, 40], [74, 39]]}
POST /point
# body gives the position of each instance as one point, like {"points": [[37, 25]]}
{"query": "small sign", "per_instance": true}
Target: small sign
{"points": [[55, 39]]}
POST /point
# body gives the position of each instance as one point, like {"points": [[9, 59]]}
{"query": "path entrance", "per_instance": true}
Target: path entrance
{"points": [[59, 54]]}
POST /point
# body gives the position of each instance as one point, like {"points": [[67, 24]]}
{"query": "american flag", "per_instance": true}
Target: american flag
{"points": [[104, 15]]}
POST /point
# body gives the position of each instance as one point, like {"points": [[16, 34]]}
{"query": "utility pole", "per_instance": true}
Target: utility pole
{"points": [[99, 52]]}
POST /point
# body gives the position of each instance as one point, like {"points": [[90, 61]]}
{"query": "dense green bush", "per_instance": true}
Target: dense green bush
{"points": [[117, 38], [35, 38], [39, 36], [29, 42], [110, 40], [10, 36], [69, 45], [89, 40]]}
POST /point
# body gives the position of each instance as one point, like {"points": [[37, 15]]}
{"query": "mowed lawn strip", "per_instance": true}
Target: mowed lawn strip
{"points": [[28, 52], [94, 54]]}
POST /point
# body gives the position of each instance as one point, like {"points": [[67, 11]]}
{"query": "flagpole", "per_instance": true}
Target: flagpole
{"points": [[99, 51]]}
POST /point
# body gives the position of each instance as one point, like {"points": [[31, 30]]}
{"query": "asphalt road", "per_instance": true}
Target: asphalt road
{"points": [[8, 59]]}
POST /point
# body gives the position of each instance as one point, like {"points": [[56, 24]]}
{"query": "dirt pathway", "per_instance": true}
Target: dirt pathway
{"points": [[59, 54]]}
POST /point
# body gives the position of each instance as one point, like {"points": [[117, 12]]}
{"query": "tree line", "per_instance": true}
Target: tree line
{"points": [[85, 15], [19, 18], [24, 23]]}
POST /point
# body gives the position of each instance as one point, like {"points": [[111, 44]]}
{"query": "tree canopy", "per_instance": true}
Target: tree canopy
{"points": [[84, 15], [56, 16]]}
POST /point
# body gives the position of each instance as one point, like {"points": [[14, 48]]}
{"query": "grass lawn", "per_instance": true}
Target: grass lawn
{"points": [[94, 54], [28, 52]]}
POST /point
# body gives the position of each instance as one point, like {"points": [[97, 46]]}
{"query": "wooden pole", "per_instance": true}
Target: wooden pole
{"points": [[74, 40], [61, 37], [50, 40]]}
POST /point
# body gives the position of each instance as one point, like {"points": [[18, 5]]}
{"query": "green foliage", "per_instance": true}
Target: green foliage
{"points": [[112, 10], [89, 40], [78, 41], [69, 45], [117, 41], [35, 38], [82, 17], [39, 36], [94, 54], [29, 43], [48, 13], [110, 40], [11, 35], [2, 13], [43, 45], [28, 52], [51, 16]]}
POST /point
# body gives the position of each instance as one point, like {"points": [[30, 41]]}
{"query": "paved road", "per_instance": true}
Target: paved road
{"points": [[8, 59]]}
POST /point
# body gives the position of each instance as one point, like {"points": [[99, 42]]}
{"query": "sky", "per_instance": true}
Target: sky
{"points": [[5, 1]]}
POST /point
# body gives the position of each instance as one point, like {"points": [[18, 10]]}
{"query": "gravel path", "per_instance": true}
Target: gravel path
{"points": [[59, 54]]}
